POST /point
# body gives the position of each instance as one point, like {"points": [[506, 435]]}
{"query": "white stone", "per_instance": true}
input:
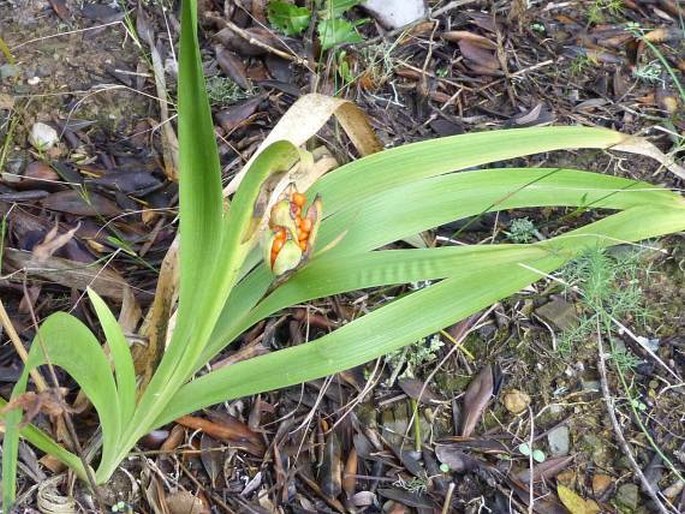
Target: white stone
{"points": [[42, 136], [393, 14]]}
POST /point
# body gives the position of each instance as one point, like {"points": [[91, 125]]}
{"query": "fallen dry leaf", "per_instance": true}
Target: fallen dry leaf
{"points": [[476, 398], [81, 204], [185, 502], [574, 503], [227, 429], [52, 242]]}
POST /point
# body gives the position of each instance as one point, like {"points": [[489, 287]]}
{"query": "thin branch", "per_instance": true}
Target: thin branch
{"points": [[6, 322], [617, 427]]}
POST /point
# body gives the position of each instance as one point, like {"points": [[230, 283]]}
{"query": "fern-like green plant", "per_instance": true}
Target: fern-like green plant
{"points": [[383, 197]]}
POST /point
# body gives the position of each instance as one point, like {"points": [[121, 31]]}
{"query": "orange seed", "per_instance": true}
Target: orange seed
{"points": [[306, 225], [277, 245], [298, 199]]}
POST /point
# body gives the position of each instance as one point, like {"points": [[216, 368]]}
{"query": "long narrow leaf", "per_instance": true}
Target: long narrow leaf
{"points": [[352, 184], [121, 356], [428, 203], [200, 195]]}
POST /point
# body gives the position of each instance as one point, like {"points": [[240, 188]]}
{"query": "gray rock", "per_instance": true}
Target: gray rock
{"points": [[628, 496], [591, 385], [559, 441], [559, 313], [8, 71]]}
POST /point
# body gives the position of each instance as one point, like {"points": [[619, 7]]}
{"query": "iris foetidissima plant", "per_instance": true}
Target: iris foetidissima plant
{"points": [[230, 276]]}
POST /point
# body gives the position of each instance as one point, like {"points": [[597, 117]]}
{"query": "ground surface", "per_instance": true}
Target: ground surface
{"points": [[533, 361]]}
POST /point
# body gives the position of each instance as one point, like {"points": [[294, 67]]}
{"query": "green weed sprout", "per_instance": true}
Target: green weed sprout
{"points": [[226, 286]]}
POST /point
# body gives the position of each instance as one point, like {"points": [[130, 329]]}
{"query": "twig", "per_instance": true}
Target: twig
{"points": [[169, 139], [642, 342], [531, 462], [19, 347], [617, 428], [448, 499], [450, 6], [244, 34]]}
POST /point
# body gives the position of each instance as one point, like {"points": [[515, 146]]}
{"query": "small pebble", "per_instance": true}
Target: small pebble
{"points": [[516, 401], [591, 385], [42, 136], [600, 484], [558, 440], [627, 496], [33, 81]]}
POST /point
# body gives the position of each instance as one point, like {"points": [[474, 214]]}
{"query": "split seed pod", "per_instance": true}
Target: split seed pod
{"points": [[290, 237]]}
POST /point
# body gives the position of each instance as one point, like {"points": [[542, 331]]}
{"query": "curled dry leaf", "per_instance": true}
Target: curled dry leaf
{"points": [[418, 390], [36, 172], [251, 42], [212, 457], [331, 467], [638, 145], [479, 51], [127, 181], [49, 402], [232, 66], [304, 119], [406, 498], [349, 480], [185, 502], [52, 242], [175, 439], [457, 460], [238, 114], [130, 313]]}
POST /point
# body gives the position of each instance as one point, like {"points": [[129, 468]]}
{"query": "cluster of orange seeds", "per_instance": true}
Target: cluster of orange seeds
{"points": [[303, 227]]}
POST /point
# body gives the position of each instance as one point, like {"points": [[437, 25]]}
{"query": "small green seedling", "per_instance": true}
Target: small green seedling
{"points": [[288, 18], [522, 230], [538, 455], [332, 27]]}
